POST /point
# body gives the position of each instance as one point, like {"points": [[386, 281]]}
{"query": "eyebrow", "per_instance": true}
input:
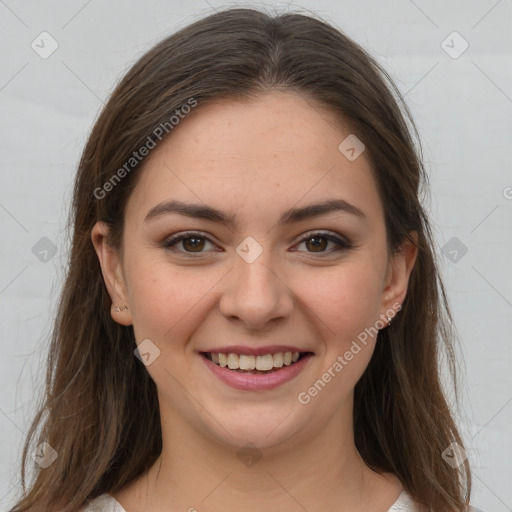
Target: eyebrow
{"points": [[293, 215]]}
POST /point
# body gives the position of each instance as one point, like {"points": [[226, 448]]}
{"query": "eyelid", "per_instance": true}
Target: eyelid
{"points": [[341, 242], [186, 234], [170, 242]]}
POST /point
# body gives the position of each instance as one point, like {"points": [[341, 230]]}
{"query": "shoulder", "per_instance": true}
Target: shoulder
{"points": [[405, 503], [103, 503]]}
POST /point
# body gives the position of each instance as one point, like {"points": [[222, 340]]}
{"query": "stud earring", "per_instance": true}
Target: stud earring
{"points": [[118, 309]]}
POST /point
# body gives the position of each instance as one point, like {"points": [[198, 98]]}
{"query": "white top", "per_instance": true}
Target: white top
{"points": [[107, 503]]}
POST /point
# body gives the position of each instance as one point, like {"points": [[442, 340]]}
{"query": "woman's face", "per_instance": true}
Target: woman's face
{"points": [[262, 272]]}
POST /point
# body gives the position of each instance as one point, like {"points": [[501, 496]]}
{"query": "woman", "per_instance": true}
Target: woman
{"points": [[252, 314]]}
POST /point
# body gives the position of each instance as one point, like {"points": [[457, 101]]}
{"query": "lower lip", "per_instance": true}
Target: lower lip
{"points": [[254, 382]]}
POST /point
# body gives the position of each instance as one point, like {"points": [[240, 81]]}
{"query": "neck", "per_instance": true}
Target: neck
{"points": [[195, 472]]}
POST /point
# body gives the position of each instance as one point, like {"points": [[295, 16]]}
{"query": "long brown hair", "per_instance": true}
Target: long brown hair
{"points": [[100, 411]]}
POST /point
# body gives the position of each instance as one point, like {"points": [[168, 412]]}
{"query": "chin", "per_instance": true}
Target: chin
{"points": [[265, 428]]}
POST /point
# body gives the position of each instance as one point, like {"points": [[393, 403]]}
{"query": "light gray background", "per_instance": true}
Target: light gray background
{"points": [[462, 106]]}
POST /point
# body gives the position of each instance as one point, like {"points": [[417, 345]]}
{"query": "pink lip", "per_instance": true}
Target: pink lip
{"points": [[262, 382], [254, 351]]}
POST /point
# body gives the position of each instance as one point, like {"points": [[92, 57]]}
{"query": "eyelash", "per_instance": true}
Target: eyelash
{"points": [[340, 242]]}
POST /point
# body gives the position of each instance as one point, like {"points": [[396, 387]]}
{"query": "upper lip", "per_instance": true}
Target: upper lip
{"points": [[254, 351]]}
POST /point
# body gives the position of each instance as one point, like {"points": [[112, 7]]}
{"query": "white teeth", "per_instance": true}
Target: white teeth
{"points": [[262, 363], [248, 363], [223, 359], [233, 361], [265, 362], [278, 360]]}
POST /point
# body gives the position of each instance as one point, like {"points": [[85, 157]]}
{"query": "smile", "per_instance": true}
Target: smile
{"points": [[262, 372], [266, 362]]}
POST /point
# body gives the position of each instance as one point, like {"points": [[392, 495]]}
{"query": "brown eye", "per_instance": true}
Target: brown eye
{"points": [[193, 244], [323, 244], [188, 244], [317, 243]]}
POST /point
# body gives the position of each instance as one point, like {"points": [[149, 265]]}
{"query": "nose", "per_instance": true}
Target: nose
{"points": [[255, 293]]}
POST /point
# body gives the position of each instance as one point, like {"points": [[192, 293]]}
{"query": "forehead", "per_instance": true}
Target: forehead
{"points": [[256, 158]]}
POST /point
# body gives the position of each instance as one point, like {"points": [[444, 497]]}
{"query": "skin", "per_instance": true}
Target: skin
{"points": [[254, 160]]}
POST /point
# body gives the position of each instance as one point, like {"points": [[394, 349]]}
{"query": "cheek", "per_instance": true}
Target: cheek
{"points": [[166, 299], [345, 305], [345, 300]]}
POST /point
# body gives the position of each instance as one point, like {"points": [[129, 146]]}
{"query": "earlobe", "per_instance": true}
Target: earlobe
{"points": [[111, 269]]}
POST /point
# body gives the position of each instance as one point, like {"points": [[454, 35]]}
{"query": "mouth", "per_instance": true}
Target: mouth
{"points": [[256, 373], [255, 365]]}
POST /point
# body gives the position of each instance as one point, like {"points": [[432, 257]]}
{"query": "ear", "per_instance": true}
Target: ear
{"points": [[397, 279], [112, 270]]}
